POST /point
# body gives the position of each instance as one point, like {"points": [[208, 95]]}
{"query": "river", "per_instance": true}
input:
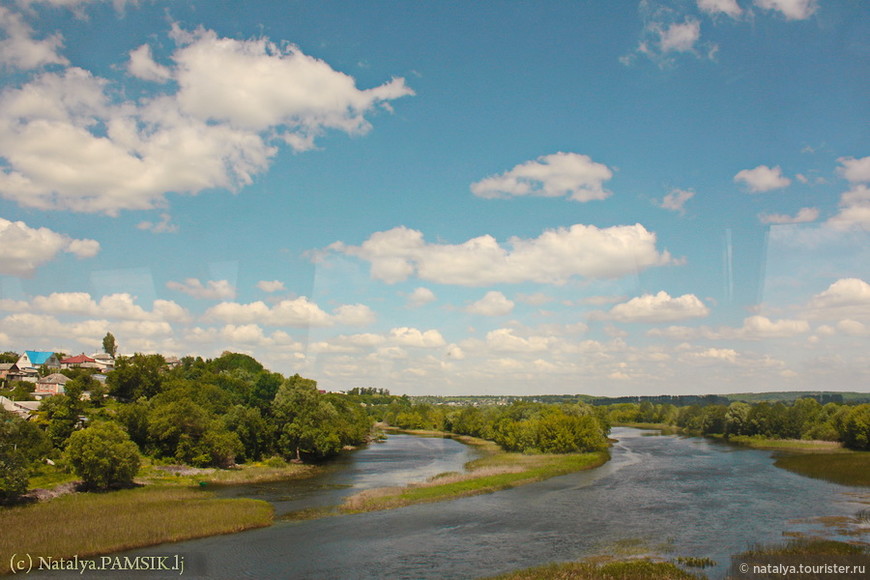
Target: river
{"points": [[666, 495]]}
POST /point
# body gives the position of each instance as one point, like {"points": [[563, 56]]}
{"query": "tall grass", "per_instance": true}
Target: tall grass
{"points": [[759, 442], [91, 524], [844, 468], [802, 552]]}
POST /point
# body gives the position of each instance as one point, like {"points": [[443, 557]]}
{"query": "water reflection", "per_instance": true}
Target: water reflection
{"points": [[399, 460]]}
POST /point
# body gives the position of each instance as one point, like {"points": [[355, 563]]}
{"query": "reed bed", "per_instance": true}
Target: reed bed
{"points": [[757, 442], [90, 524], [844, 468]]}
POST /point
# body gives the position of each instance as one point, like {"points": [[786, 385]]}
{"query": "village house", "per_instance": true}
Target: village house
{"points": [[50, 385], [103, 361], [32, 360], [79, 361], [10, 372]]}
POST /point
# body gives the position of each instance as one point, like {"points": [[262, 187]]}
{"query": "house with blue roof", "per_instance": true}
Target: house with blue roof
{"points": [[32, 360]]}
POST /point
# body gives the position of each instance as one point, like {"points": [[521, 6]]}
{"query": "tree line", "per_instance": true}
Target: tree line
{"points": [[204, 413], [521, 426], [805, 418]]}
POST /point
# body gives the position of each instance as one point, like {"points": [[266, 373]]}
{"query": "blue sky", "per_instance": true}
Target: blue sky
{"points": [[445, 198]]}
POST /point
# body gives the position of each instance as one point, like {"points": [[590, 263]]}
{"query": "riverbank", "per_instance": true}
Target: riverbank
{"points": [[801, 445], [89, 524], [850, 468], [799, 552], [170, 503], [827, 460], [496, 470]]}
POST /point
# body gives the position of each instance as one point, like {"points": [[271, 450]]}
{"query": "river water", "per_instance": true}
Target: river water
{"points": [[665, 495]]}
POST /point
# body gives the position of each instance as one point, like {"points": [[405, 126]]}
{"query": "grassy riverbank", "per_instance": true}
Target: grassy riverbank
{"points": [[806, 552], [89, 524], [258, 472], [631, 570], [495, 471], [852, 468], [803, 445]]}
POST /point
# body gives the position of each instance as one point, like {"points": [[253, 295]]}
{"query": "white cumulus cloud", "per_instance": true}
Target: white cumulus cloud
{"points": [[679, 36], [791, 9], [20, 50], [211, 290], [855, 170], [847, 298], [420, 297], [298, 312], [714, 7], [26, 248], [414, 337], [270, 286], [676, 200], [660, 307], [493, 303], [556, 175], [68, 142], [554, 257], [854, 210], [762, 178], [142, 66]]}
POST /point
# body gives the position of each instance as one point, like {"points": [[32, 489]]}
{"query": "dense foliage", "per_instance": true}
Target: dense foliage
{"points": [[804, 419], [103, 455], [520, 426], [204, 413], [228, 410]]}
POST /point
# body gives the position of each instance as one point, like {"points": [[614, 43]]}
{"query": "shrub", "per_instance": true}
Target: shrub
{"points": [[103, 455]]}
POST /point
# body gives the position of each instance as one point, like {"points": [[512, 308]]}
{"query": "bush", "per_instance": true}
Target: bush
{"points": [[854, 428], [103, 455]]}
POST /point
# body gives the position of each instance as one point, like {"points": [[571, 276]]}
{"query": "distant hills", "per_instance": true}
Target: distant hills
{"points": [[678, 400]]}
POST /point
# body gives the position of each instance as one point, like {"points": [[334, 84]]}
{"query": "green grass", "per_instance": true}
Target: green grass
{"points": [[88, 524], [809, 552], [587, 570], [663, 427], [758, 442], [800, 552], [844, 468], [485, 475], [48, 476]]}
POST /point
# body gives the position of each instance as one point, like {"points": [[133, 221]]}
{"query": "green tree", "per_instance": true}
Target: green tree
{"points": [[103, 455], [854, 428], [737, 418], [176, 428], [134, 418], [558, 432], [9, 357], [307, 423], [109, 345], [136, 376], [252, 430], [61, 414]]}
